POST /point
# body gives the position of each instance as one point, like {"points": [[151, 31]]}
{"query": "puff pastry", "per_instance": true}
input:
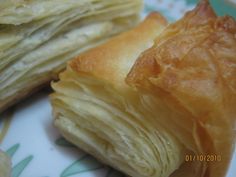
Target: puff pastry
{"points": [[5, 165], [38, 37], [177, 101], [194, 85], [89, 104]]}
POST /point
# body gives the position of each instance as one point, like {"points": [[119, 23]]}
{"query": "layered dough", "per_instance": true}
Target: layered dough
{"points": [[177, 99], [95, 109], [5, 165], [191, 69], [38, 37]]}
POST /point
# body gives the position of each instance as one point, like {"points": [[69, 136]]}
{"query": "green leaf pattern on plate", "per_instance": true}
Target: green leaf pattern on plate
{"points": [[19, 168], [12, 150], [84, 164]]}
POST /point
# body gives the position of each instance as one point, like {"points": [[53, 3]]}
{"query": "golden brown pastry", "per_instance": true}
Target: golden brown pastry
{"points": [[190, 76], [91, 104], [5, 165], [173, 115], [37, 38]]}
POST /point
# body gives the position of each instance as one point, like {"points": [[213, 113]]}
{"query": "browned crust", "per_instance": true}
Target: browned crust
{"points": [[107, 61], [194, 62]]}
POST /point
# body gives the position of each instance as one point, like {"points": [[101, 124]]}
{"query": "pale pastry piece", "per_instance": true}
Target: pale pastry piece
{"points": [[5, 165], [95, 109], [188, 80], [37, 37]]}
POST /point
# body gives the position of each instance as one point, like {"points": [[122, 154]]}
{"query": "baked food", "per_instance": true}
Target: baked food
{"points": [[37, 38], [5, 165], [194, 86], [172, 115], [89, 104]]}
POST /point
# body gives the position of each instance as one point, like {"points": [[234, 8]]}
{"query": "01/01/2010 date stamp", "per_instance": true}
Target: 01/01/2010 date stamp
{"points": [[203, 158]]}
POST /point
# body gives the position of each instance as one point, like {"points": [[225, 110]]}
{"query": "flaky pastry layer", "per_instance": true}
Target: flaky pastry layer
{"points": [[192, 68], [96, 110], [36, 40], [178, 99]]}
